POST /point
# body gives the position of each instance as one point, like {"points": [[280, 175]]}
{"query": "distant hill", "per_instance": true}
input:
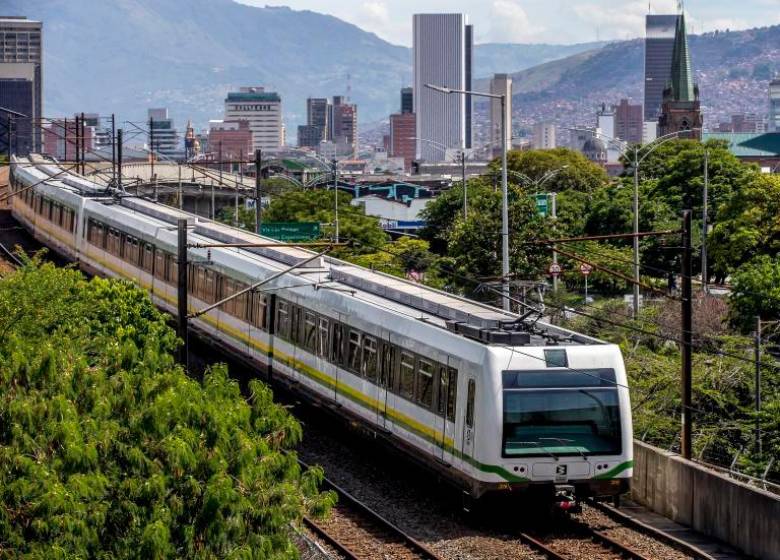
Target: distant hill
{"points": [[127, 55], [732, 70]]}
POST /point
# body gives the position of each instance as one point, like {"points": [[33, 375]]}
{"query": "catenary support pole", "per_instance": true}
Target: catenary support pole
{"points": [[636, 230], [465, 188], [113, 148], [119, 142], [757, 388], [554, 215], [704, 275], [687, 336], [504, 211], [182, 292], [83, 132], [258, 194]]}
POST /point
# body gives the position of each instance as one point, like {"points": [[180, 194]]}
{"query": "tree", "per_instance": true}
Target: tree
{"points": [[109, 450], [747, 226], [573, 171], [755, 292]]}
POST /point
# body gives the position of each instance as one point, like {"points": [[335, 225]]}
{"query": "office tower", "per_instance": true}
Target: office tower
{"points": [[659, 49], [402, 140], [21, 82], [407, 100], [317, 128], [469, 76], [345, 124], [605, 121], [262, 110], [500, 84], [163, 137], [774, 105], [681, 109], [544, 136], [628, 122], [442, 56]]}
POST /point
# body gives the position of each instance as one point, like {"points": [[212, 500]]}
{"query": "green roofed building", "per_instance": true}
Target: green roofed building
{"points": [[763, 149]]}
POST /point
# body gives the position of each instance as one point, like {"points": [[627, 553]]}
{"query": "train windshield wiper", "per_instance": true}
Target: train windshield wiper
{"points": [[537, 444], [564, 442]]}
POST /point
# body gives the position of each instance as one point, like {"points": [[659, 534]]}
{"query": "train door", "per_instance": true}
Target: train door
{"points": [[385, 383], [445, 407], [469, 429]]}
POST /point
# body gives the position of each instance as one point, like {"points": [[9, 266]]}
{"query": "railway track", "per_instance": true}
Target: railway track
{"points": [[581, 542], [357, 532]]}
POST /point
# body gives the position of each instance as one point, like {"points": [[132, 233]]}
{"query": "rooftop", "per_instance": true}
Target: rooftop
{"points": [[743, 144], [256, 96]]}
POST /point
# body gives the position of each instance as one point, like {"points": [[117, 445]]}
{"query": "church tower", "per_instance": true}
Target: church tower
{"points": [[681, 108]]}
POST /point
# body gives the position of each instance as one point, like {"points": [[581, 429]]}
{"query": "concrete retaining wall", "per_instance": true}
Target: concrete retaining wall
{"points": [[707, 501]]}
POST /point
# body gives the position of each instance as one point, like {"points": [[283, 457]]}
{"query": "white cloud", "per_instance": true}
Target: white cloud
{"points": [[509, 23]]}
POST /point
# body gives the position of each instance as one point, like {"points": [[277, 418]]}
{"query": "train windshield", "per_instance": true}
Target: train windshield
{"points": [[561, 413]]}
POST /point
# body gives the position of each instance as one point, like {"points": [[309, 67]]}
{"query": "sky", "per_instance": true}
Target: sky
{"points": [[541, 21]]}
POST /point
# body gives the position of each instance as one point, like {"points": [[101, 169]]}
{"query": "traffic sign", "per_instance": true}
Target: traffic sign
{"points": [[586, 269], [555, 269], [541, 205], [290, 231]]}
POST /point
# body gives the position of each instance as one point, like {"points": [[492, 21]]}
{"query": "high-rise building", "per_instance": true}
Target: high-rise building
{"points": [[442, 56], [318, 123], [231, 139], [163, 137], [774, 105], [61, 138], [605, 121], [745, 123], [402, 139], [628, 122], [21, 82], [544, 136], [659, 50], [262, 110], [681, 108], [500, 84], [345, 123], [407, 100]]}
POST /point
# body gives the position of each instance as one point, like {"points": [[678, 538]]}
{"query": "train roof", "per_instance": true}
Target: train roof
{"points": [[474, 320]]}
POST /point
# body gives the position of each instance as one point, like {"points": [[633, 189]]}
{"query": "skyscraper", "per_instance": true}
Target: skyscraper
{"points": [[680, 108], [442, 56], [263, 110], [407, 100], [628, 122], [319, 113], [659, 49], [163, 136], [774, 105], [21, 81], [500, 84], [345, 125]]}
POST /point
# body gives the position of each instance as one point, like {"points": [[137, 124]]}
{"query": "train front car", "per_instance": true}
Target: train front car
{"points": [[557, 423]]}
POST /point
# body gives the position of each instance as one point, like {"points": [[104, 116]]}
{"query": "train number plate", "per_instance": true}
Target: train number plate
{"points": [[561, 473]]}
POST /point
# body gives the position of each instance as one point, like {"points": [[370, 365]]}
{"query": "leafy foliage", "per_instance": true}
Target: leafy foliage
{"points": [[109, 450]]}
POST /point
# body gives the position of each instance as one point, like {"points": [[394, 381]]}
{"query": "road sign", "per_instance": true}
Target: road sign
{"points": [[541, 205], [586, 269], [555, 269], [290, 231]]}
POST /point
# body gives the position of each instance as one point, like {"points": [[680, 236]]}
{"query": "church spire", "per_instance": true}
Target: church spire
{"points": [[681, 82]]}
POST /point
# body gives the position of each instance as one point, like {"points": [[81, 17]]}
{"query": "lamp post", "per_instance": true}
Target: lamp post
{"points": [[504, 185], [636, 163]]}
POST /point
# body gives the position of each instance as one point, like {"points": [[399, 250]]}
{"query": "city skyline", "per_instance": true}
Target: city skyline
{"points": [[536, 21]]}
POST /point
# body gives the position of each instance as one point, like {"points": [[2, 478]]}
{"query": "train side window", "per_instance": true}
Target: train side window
{"points": [[148, 258], [283, 319], [160, 264], [310, 330], [240, 303], [56, 214], [353, 351], [407, 375], [210, 286], [258, 310], [323, 336], [369, 357], [296, 318], [472, 388], [173, 270], [425, 383]]}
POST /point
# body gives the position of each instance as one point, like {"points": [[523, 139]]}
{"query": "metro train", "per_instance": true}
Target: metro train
{"points": [[494, 403]]}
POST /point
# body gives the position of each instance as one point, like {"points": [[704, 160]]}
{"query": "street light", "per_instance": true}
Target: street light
{"points": [[637, 161], [504, 185]]}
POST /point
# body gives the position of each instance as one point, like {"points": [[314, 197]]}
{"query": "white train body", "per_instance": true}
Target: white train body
{"points": [[492, 417]]}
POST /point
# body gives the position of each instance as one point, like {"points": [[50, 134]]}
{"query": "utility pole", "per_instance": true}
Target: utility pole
{"points": [[182, 294], [636, 231], [554, 216], [181, 190], [687, 335], [336, 197], [704, 275], [119, 143], [240, 182], [465, 188], [113, 148], [151, 142], [258, 198], [758, 384], [83, 131], [76, 142]]}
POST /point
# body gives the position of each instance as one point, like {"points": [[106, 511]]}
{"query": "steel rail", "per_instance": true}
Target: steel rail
{"points": [[351, 502], [598, 537]]}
